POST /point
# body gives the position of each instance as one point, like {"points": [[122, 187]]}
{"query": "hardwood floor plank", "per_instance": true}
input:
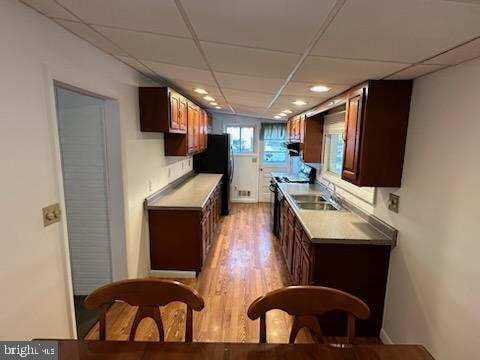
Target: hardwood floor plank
{"points": [[244, 263]]}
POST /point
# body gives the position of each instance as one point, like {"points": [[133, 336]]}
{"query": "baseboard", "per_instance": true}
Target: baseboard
{"points": [[175, 274], [385, 338]]}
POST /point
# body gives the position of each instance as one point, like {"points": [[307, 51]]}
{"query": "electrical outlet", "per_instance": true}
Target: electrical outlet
{"points": [[393, 202]]}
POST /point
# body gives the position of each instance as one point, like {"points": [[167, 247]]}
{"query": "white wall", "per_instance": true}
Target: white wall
{"points": [[35, 286], [434, 281]]}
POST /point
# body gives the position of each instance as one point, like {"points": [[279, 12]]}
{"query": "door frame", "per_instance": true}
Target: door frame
{"points": [[114, 180], [261, 166]]}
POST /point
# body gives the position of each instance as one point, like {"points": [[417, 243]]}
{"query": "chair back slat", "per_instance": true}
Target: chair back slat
{"points": [[305, 303], [148, 295]]}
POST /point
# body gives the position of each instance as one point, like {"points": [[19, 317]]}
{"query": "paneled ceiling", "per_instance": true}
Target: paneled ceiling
{"points": [[257, 57]]}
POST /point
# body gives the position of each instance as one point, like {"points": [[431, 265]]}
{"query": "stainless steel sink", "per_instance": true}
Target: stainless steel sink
{"points": [[307, 198], [313, 202], [316, 206]]}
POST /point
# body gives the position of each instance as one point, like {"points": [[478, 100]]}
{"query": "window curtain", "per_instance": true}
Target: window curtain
{"points": [[272, 131]]}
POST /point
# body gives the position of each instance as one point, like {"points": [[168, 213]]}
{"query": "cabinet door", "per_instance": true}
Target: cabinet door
{"points": [[305, 268], [174, 111], [190, 129], [297, 261], [301, 129], [202, 130], [353, 130], [182, 114], [289, 129]]}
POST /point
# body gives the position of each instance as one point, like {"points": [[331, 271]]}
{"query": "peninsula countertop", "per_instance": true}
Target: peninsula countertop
{"points": [[189, 195], [332, 227]]}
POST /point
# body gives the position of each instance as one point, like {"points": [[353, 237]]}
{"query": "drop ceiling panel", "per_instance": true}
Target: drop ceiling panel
{"points": [[258, 23], [414, 72], [246, 61], [343, 72], [243, 82], [248, 98], [303, 89], [181, 73], [86, 33], [188, 88], [153, 47], [465, 52], [403, 31], [286, 102], [143, 15], [139, 67], [248, 110], [50, 8]]}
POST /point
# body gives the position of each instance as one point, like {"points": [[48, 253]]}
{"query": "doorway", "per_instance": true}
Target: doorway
{"points": [[273, 158], [88, 164]]}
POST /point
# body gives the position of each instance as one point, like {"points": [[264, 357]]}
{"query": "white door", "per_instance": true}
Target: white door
{"points": [[81, 126], [273, 158]]}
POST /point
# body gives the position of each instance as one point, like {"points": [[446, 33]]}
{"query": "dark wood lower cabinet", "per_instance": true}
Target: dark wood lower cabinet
{"points": [[360, 270], [181, 239]]}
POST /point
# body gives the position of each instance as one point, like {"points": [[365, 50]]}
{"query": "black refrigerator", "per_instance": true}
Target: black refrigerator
{"points": [[217, 159]]}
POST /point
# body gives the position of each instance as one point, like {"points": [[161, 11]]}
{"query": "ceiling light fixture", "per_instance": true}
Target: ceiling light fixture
{"points": [[201, 91], [213, 103], [218, 107], [209, 98], [287, 111], [282, 114], [277, 117], [319, 88], [299, 102]]}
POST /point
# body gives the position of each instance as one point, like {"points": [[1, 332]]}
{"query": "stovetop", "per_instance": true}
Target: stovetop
{"points": [[291, 179]]}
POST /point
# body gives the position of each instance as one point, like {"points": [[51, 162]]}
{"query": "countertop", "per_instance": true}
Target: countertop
{"points": [[189, 195], [332, 227]]}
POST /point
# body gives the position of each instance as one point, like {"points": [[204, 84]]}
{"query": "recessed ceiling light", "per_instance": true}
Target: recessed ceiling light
{"points": [[218, 107], [209, 98], [319, 88], [201, 91], [277, 117], [287, 111], [282, 114], [213, 103], [299, 103]]}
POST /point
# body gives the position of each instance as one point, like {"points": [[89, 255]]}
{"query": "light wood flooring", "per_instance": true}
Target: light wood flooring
{"points": [[245, 262]]}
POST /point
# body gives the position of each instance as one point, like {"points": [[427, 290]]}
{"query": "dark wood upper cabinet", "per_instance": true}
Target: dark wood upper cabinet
{"points": [[375, 132], [162, 110], [311, 138], [183, 122], [353, 129]]}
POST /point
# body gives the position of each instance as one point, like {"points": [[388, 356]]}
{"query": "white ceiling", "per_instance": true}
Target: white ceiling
{"points": [[257, 57]]}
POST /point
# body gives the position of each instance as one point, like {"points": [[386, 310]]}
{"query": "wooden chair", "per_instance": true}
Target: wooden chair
{"points": [[304, 303], [148, 295]]}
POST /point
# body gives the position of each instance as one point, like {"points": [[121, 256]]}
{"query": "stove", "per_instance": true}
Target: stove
{"points": [[306, 175], [291, 179]]}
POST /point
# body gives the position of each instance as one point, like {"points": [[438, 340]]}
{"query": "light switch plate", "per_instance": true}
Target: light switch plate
{"points": [[51, 214], [393, 202]]}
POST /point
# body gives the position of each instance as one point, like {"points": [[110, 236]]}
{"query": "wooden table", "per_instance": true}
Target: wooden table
{"points": [[128, 350]]}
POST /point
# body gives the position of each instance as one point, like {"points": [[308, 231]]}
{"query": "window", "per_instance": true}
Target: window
{"points": [[335, 153], [241, 139], [273, 136], [274, 151], [334, 144]]}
